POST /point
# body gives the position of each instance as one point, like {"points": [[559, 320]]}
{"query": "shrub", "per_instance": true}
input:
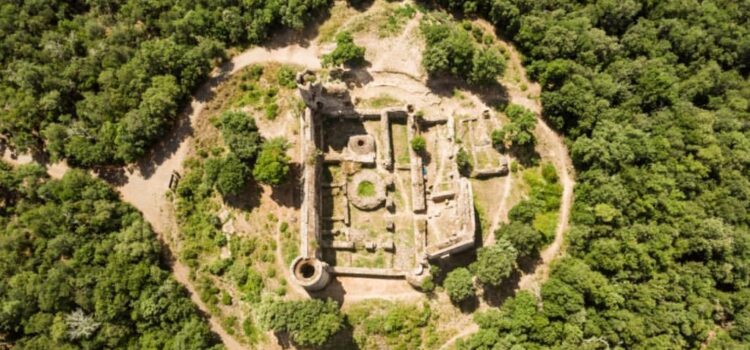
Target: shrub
{"points": [[272, 110], [428, 285], [226, 299], [240, 134], [549, 173], [286, 77], [308, 323], [522, 236], [346, 52], [463, 161], [418, 143], [459, 285], [272, 166], [495, 263]]}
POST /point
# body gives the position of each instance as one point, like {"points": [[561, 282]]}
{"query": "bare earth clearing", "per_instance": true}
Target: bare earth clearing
{"points": [[145, 184]]}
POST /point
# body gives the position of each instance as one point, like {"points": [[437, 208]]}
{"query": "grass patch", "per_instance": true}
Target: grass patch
{"points": [[546, 223], [395, 19], [373, 261], [340, 13], [366, 189], [381, 101], [400, 144], [381, 324]]}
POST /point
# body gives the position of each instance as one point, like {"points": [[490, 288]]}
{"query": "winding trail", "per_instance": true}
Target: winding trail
{"points": [[502, 213], [145, 188], [145, 184], [552, 147]]}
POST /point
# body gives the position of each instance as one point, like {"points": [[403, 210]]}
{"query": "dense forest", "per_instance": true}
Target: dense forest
{"points": [[652, 96], [80, 269], [97, 82], [654, 99]]}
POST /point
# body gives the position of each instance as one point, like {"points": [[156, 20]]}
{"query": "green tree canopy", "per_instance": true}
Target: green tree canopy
{"points": [[309, 323], [228, 174], [459, 285], [99, 82], [95, 278], [524, 238], [495, 263], [240, 134], [453, 50], [346, 52], [272, 166]]}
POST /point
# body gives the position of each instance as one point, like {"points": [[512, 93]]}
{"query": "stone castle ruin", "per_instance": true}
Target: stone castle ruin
{"points": [[371, 205]]}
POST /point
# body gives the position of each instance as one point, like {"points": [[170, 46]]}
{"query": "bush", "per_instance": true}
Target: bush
{"points": [[219, 266], [272, 110], [226, 299], [549, 173], [229, 172], [418, 143], [286, 77], [463, 161], [309, 323], [346, 52], [240, 134], [452, 49], [459, 285], [495, 263], [428, 285], [524, 238], [272, 166], [520, 130]]}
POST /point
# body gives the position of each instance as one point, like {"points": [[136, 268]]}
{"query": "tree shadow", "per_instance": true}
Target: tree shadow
{"points": [[360, 5], [283, 340], [284, 36], [343, 339], [247, 198], [493, 95], [115, 176], [334, 291], [469, 305], [182, 127], [354, 77], [528, 263], [526, 155], [287, 194], [479, 233], [496, 295]]}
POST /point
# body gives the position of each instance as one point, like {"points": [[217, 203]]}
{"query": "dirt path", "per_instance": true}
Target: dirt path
{"points": [[501, 215], [145, 184], [552, 147], [55, 170], [145, 188], [469, 330]]}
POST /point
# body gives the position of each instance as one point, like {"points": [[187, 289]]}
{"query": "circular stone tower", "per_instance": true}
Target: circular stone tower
{"points": [[310, 273]]}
